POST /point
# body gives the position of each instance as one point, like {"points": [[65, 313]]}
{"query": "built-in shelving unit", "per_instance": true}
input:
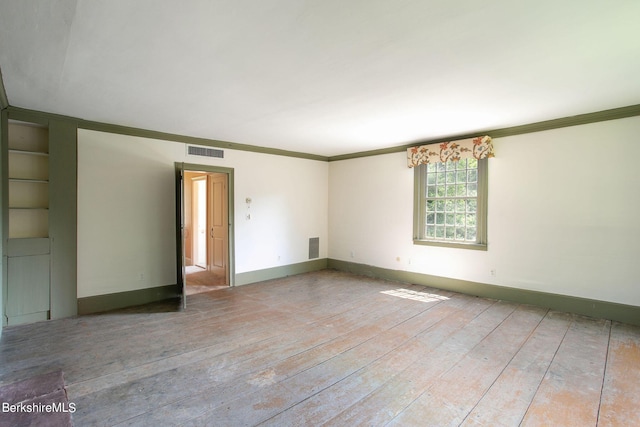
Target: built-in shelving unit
{"points": [[38, 212], [28, 181], [28, 246]]}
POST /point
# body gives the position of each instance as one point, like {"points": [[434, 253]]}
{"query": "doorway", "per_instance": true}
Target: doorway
{"points": [[204, 227]]}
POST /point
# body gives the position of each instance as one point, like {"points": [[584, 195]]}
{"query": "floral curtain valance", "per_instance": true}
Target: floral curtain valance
{"points": [[472, 148]]}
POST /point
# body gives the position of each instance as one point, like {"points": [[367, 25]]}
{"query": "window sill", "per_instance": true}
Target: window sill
{"points": [[456, 245]]}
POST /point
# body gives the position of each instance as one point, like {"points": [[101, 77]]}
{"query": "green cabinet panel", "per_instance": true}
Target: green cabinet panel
{"points": [[28, 280]]}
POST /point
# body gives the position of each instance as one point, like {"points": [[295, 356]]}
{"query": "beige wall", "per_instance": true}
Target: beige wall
{"points": [[563, 208], [126, 210]]}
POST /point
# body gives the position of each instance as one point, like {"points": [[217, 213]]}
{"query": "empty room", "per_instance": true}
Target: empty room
{"points": [[308, 213]]}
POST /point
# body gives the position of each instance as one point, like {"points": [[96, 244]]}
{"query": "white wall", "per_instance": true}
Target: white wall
{"points": [[126, 210], [563, 214]]}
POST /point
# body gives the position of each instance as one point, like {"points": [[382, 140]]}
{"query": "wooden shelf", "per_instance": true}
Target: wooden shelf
{"points": [[28, 194], [28, 223], [28, 137], [30, 153], [39, 181], [28, 166], [28, 173]]}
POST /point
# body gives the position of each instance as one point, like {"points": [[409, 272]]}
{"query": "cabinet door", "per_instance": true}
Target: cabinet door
{"points": [[27, 285]]}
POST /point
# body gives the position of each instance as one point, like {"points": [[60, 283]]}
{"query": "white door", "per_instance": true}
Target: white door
{"points": [[218, 225]]}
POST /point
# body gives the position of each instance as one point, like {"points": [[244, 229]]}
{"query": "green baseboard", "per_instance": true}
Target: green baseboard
{"points": [[281, 271], [588, 307], [99, 303], [27, 318]]}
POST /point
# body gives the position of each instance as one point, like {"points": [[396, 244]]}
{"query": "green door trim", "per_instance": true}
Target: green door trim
{"points": [[192, 167]]}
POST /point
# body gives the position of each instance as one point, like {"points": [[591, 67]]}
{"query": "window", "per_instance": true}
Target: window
{"points": [[451, 204]]}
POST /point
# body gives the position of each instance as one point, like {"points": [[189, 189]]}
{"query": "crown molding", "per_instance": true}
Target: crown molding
{"points": [[4, 101], [24, 114], [41, 117], [581, 119]]}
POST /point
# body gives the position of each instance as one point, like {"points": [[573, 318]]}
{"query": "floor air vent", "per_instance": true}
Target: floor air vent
{"points": [[204, 151]]}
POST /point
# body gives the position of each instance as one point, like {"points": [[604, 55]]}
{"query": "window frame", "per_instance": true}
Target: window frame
{"points": [[419, 210]]}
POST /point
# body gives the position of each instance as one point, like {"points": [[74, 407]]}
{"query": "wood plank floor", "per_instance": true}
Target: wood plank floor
{"points": [[330, 348]]}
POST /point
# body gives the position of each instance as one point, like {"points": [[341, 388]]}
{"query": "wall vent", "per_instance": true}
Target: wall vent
{"points": [[194, 150], [314, 247]]}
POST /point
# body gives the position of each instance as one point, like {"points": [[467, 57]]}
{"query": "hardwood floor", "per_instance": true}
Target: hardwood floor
{"points": [[200, 280], [330, 348]]}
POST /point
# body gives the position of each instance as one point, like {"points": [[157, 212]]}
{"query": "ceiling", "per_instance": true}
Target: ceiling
{"points": [[325, 77]]}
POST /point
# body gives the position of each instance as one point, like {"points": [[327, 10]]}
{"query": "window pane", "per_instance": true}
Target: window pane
{"points": [[471, 234], [451, 166], [460, 205], [451, 177], [431, 167], [431, 218], [471, 220], [462, 164], [450, 219], [431, 179], [460, 219], [471, 205], [449, 233], [439, 232], [461, 190], [451, 191], [431, 205], [441, 167], [472, 189], [442, 191], [431, 191], [440, 218], [472, 175], [461, 176], [441, 178], [449, 205], [431, 231], [440, 205], [472, 163], [460, 233]]}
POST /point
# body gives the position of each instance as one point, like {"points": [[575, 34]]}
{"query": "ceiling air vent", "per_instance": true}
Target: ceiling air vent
{"points": [[194, 150]]}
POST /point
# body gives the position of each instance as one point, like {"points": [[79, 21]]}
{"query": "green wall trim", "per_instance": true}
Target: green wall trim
{"points": [[231, 238], [43, 118], [588, 307], [281, 271], [4, 223], [4, 101], [63, 216], [124, 130], [581, 119], [100, 303], [30, 116]]}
